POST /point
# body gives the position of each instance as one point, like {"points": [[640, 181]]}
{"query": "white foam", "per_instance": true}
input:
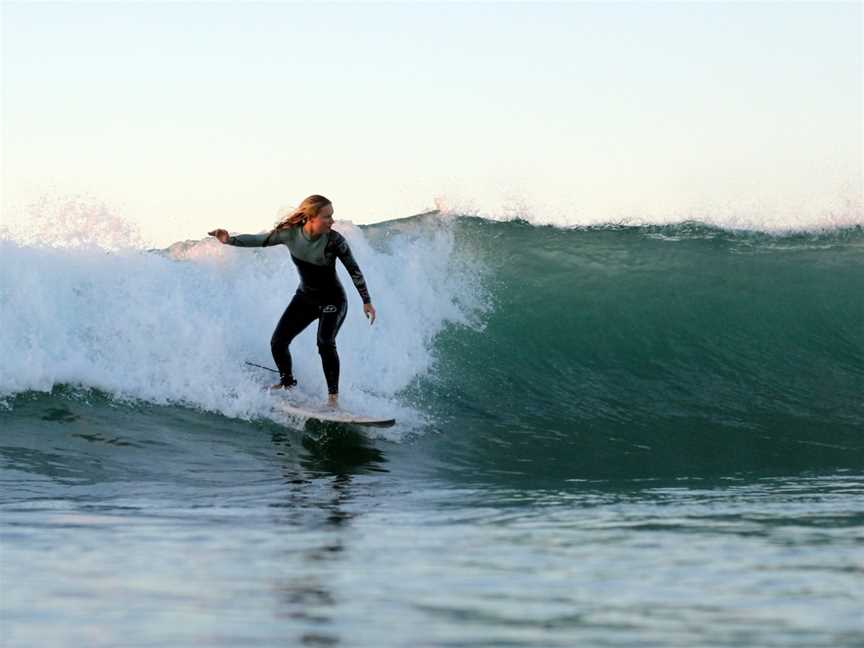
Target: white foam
{"points": [[177, 325]]}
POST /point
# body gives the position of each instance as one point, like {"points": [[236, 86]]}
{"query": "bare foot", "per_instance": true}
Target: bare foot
{"points": [[333, 400]]}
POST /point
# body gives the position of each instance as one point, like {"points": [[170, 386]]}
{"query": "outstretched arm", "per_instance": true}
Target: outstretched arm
{"points": [[247, 240]]}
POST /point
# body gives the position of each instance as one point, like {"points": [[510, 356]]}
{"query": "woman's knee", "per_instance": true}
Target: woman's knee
{"points": [[279, 342], [326, 347]]}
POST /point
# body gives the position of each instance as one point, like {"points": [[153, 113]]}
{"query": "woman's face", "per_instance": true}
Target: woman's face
{"points": [[322, 223]]}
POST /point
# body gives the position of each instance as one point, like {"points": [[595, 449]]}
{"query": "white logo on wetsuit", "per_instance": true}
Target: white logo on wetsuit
{"points": [[329, 309]]}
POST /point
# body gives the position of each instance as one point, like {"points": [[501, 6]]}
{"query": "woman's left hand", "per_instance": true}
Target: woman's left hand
{"points": [[369, 311]]}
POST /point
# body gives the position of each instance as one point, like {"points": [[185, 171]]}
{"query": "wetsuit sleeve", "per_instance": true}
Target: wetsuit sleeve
{"points": [[344, 253], [257, 240]]}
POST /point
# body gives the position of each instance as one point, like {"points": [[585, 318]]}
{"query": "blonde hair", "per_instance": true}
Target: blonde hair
{"points": [[306, 210]]}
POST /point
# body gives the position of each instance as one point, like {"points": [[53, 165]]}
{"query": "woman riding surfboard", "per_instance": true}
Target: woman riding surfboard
{"points": [[314, 245]]}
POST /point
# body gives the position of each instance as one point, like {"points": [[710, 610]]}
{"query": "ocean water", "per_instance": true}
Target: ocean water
{"points": [[607, 436]]}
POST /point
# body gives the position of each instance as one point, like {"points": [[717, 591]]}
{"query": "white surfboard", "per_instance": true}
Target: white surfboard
{"points": [[334, 416], [325, 413], [297, 403]]}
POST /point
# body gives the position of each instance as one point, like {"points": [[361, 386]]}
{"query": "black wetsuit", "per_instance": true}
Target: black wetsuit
{"points": [[320, 295]]}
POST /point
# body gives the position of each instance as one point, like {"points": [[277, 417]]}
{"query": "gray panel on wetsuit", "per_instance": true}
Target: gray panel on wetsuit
{"points": [[304, 248]]}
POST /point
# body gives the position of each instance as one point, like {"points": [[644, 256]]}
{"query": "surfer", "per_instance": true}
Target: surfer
{"points": [[314, 247]]}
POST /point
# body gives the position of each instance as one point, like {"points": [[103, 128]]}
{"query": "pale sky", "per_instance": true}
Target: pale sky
{"points": [[185, 117]]}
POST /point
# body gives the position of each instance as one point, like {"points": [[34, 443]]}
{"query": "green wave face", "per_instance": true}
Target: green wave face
{"points": [[656, 351]]}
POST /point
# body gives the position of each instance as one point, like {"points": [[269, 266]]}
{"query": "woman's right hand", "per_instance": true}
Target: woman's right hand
{"points": [[220, 234]]}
